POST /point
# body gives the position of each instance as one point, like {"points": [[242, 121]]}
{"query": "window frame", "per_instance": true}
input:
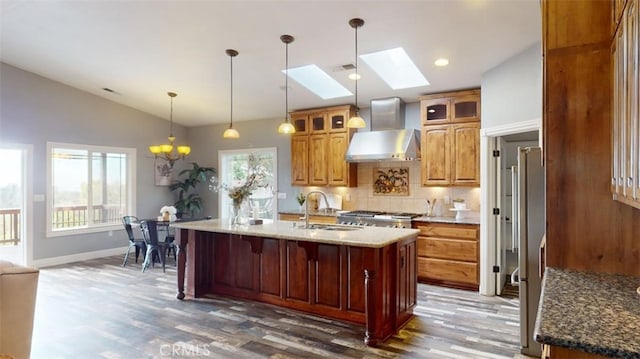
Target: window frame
{"points": [[131, 154], [223, 200]]}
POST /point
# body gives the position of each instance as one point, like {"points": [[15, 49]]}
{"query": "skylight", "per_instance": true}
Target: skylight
{"points": [[396, 68], [318, 82]]}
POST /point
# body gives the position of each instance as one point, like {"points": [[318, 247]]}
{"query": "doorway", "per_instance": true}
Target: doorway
{"points": [[15, 208], [507, 242], [494, 261]]}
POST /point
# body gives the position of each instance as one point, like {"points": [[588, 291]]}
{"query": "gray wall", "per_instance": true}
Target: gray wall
{"points": [[512, 91], [35, 110]]}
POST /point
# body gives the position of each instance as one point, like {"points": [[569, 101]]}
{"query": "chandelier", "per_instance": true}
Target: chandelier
{"points": [[167, 151]]}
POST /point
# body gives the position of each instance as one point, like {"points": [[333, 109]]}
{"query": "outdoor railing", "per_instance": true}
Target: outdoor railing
{"points": [[9, 226], [63, 217], [77, 216]]}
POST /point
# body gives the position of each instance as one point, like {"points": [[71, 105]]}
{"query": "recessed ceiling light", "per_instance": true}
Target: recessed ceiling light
{"points": [[396, 68], [318, 82], [441, 62], [354, 76]]}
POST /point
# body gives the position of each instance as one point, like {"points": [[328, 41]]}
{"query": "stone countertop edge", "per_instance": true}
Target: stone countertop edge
{"points": [[598, 313], [372, 237]]}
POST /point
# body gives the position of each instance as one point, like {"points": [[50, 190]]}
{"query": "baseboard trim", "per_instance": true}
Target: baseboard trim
{"points": [[54, 261]]}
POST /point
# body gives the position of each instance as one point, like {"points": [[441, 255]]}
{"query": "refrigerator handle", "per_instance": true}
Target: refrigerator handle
{"points": [[515, 218]]}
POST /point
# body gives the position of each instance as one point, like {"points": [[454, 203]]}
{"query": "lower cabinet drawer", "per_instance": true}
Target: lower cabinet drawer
{"points": [[454, 249], [448, 270]]}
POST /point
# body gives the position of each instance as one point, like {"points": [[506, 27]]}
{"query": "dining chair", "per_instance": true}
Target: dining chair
{"points": [[154, 246], [133, 242]]}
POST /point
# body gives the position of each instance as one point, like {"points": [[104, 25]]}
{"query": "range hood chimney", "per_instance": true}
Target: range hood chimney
{"points": [[388, 140]]}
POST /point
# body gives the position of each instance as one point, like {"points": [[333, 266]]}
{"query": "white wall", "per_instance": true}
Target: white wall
{"points": [[34, 110], [512, 91]]}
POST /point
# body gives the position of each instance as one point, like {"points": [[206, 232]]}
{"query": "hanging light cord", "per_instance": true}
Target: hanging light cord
{"points": [[231, 107], [286, 81], [171, 119], [357, 74]]}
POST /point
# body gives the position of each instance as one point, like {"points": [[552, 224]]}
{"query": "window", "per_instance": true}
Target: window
{"points": [[233, 171], [89, 188]]}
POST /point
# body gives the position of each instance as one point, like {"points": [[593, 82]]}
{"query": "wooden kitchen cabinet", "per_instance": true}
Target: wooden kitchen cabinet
{"points": [[322, 162], [450, 107], [451, 155], [448, 254], [318, 147], [450, 141], [625, 178]]}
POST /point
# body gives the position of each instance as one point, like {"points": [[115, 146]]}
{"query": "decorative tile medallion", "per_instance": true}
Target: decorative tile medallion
{"points": [[391, 181]]}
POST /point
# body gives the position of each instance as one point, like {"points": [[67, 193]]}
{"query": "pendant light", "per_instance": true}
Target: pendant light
{"points": [[286, 127], [231, 132], [356, 121], [167, 151]]}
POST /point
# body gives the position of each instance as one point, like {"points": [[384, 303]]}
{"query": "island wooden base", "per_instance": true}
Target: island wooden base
{"points": [[375, 287]]}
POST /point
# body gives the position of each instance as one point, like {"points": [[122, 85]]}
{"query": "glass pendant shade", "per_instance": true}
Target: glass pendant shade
{"points": [[356, 122], [231, 133], [286, 128]]}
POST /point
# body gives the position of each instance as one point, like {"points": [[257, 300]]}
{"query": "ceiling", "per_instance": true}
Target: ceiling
{"points": [[143, 49]]}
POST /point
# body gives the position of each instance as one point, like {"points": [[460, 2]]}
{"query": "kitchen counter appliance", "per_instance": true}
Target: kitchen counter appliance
{"points": [[377, 219]]}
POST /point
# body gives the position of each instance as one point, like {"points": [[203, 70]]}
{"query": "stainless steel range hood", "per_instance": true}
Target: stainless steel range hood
{"points": [[388, 140]]}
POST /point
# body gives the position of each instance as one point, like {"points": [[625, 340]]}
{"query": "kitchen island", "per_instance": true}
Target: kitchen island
{"points": [[361, 275]]}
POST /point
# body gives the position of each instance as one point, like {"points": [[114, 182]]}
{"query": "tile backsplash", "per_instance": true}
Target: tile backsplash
{"points": [[362, 197]]}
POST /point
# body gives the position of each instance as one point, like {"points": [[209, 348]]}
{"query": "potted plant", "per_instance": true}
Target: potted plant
{"points": [[301, 199], [189, 202]]}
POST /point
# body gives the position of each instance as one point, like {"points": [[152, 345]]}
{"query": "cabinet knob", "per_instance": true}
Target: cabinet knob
{"points": [[620, 181], [629, 181]]}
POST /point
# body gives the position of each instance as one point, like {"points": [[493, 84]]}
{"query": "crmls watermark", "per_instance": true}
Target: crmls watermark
{"points": [[184, 350]]}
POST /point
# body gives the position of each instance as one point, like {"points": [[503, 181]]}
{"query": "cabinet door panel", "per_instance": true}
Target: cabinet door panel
{"points": [[328, 276], [297, 272], [299, 160], [318, 122], [466, 154], [338, 166], [465, 108], [435, 111], [318, 159], [221, 272], [436, 155], [270, 269], [448, 270], [457, 231], [356, 263], [456, 249], [244, 263]]}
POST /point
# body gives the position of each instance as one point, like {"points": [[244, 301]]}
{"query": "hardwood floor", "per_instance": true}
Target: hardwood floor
{"points": [[98, 309]]}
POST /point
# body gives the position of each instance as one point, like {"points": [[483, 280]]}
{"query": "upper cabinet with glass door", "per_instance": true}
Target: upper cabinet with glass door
{"points": [[450, 107]]}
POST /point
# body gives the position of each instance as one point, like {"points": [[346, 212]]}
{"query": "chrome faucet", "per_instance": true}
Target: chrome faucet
{"points": [[306, 207]]}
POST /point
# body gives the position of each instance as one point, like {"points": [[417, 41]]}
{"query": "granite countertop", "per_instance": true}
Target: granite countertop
{"points": [[374, 237], [597, 313]]}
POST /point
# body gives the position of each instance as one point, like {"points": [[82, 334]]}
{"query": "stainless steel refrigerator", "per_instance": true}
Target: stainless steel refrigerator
{"points": [[531, 228]]}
